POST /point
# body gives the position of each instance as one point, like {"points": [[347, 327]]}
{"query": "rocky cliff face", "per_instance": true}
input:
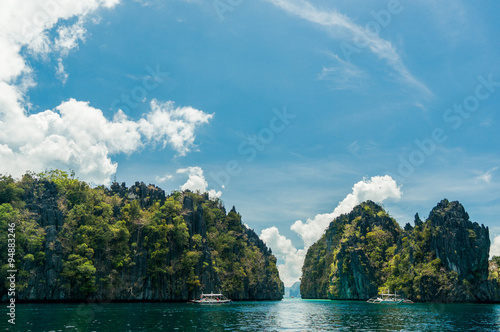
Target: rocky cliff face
{"points": [[443, 259], [133, 244], [461, 245], [347, 262], [449, 254]]}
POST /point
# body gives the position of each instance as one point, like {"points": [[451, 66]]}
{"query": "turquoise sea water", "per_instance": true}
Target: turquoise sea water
{"points": [[286, 315]]}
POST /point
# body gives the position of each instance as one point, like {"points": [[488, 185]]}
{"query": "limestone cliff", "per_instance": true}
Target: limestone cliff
{"points": [[348, 261], [130, 244], [443, 259]]}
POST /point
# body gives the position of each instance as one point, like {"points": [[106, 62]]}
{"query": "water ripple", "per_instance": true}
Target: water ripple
{"points": [[286, 315]]}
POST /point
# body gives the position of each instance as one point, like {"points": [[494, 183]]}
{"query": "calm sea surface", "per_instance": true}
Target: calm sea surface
{"points": [[286, 315]]}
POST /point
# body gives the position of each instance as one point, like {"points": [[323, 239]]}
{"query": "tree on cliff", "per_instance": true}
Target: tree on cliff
{"points": [[442, 259], [119, 243]]}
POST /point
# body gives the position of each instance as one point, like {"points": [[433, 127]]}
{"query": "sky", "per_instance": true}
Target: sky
{"points": [[293, 111]]}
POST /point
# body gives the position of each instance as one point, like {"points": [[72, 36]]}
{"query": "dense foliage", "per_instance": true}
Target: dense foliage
{"points": [[350, 260], [365, 252], [415, 270], [74, 241], [494, 268]]}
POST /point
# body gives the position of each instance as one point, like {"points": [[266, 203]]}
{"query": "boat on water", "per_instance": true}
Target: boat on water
{"points": [[211, 299], [388, 298]]}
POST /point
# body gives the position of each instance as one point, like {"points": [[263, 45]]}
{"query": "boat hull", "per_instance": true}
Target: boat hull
{"points": [[211, 299], [211, 302]]}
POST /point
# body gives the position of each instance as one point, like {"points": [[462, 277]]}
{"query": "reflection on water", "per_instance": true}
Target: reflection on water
{"points": [[286, 315]]}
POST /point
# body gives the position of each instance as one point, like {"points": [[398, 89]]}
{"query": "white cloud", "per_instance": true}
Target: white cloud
{"points": [[196, 181], [144, 3], [342, 75], [78, 136], [344, 27], [164, 178], [61, 73], [44, 140], [74, 134], [281, 245], [175, 126], [377, 189], [486, 176], [284, 250], [27, 23], [495, 247], [69, 37]]}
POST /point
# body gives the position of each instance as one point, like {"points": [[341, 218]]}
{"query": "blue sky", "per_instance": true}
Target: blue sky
{"points": [[288, 109]]}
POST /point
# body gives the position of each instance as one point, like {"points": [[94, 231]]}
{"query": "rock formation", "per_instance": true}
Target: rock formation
{"points": [[132, 244], [443, 259]]}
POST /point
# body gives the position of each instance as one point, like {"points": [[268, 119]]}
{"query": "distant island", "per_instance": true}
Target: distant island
{"points": [[295, 290], [74, 242], [444, 259]]}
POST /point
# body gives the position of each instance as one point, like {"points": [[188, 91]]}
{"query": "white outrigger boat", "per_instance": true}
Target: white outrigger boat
{"points": [[211, 299], [388, 298]]}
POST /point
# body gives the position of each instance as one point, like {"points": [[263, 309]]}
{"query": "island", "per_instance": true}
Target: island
{"points": [[362, 253], [75, 242]]}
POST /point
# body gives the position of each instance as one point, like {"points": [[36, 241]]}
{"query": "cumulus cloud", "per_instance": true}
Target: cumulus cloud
{"points": [[280, 244], [78, 136], [167, 125], [196, 181], [495, 247], [27, 24], [285, 251], [377, 189], [69, 37], [74, 134], [164, 178]]}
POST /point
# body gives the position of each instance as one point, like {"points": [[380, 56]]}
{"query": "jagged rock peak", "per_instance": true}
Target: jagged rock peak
{"points": [[344, 262], [449, 210], [254, 239], [371, 214], [444, 258], [146, 194], [368, 204], [188, 203], [418, 221]]}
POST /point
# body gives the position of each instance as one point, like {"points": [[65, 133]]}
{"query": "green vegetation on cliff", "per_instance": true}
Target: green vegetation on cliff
{"points": [[119, 243], [350, 260], [444, 259]]}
